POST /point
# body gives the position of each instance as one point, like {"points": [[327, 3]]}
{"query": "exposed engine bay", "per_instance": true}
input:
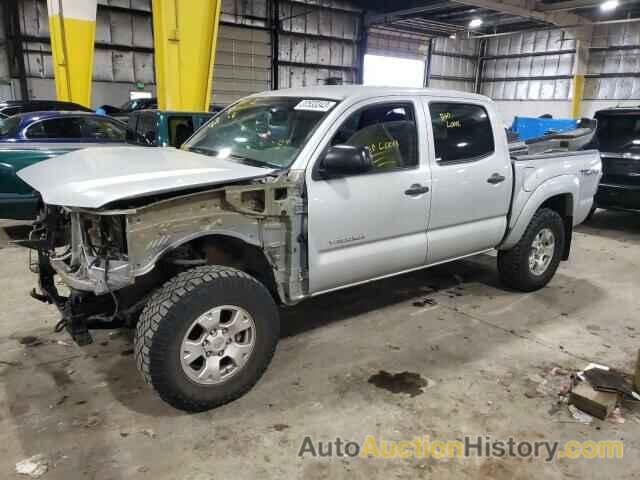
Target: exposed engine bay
{"points": [[112, 259]]}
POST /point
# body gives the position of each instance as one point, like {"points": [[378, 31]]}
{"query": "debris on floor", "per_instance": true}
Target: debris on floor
{"points": [[579, 415], [556, 381], [404, 382], [616, 416], [10, 364], [424, 302], [34, 466], [599, 392], [29, 341], [609, 381], [148, 432], [591, 401]]}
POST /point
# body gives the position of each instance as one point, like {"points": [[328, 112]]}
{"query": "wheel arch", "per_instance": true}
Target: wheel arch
{"points": [[559, 194], [231, 249]]}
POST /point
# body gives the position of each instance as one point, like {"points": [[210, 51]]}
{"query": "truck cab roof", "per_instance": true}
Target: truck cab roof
{"points": [[344, 92]]}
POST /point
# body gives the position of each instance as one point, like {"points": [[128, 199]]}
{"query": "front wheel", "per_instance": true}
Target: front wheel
{"points": [[533, 261], [206, 337]]}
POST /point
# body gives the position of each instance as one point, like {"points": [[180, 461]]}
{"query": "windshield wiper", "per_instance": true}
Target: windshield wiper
{"points": [[247, 161]]}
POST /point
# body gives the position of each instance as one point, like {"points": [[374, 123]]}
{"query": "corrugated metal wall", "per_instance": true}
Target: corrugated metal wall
{"points": [[123, 53], [317, 42], [254, 13], [5, 77], [614, 63], [396, 44], [243, 63], [453, 64], [243, 56], [529, 66]]}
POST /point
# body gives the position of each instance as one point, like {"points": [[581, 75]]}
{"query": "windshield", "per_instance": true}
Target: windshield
{"points": [[9, 126], [264, 131], [618, 133]]}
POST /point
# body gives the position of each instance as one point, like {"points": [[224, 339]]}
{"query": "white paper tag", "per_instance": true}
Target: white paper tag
{"points": [[315, 105]]}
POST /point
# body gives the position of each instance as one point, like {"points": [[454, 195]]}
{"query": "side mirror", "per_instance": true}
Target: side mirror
{"points": [[346, 160]]}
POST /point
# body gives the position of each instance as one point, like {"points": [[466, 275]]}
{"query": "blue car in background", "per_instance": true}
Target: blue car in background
{"points": [[61, 127], [29, 138]]}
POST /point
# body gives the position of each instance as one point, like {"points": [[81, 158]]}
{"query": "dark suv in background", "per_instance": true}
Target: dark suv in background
{"points": [[618, 139], [14, 107]]}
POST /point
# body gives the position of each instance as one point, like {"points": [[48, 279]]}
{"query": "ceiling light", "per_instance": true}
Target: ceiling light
{"points": [[609, 5], [476, 22], [452, 36]]}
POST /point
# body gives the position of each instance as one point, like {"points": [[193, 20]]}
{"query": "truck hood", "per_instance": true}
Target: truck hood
{"points": [[94, 177]]}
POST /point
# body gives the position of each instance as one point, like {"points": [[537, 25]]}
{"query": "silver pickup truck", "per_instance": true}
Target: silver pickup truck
{"points": [[283, 196]]}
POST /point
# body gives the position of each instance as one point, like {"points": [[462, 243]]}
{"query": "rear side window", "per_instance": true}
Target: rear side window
{"points": [[462, 132], [180, 129], [69, 128], [9, 126]]}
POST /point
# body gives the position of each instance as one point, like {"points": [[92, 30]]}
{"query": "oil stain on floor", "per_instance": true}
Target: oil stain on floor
{"points": [[404, 382]]}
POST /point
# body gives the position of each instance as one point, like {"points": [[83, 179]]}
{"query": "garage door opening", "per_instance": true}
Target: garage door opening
{"points": [[393, 71]]}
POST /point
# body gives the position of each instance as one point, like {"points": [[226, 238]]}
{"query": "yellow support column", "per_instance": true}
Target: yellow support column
{"points": [[577, 86], [580, 66], [185, 36], [72, 26]]}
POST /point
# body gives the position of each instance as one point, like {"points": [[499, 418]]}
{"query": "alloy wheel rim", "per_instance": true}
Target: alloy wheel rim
{"points": [[542, 251], [217, 345]]}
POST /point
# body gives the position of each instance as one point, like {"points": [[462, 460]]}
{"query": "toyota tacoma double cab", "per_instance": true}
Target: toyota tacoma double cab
{"points": [[283, 196]]}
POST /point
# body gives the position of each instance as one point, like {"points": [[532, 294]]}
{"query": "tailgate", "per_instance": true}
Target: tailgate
{"points": [[620, 169]]}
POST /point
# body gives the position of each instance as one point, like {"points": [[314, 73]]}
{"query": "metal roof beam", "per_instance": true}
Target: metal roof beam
{"points": [[570, 5], [525, 8], [389, 17]]}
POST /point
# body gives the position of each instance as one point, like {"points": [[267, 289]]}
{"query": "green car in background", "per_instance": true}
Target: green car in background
{"points": [[147, 128]]}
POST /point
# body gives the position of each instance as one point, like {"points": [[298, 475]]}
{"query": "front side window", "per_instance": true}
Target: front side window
{"points": [[146, 128], [388, 131], [462, 132], [103, 129], [262, 131]]}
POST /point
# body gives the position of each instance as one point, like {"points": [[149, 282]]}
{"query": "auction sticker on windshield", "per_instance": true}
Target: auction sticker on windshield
{"points": [[315, 105]]}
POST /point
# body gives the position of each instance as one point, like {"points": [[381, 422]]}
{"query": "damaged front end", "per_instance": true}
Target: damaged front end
{"points": [[88, 252], [111, 260]]}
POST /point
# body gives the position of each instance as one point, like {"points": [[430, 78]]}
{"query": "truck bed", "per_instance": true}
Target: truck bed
{"points": [[538, 176]]}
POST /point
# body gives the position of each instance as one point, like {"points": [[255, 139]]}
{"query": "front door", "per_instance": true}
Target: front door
{"points": [[472, 179], [371, 225]]}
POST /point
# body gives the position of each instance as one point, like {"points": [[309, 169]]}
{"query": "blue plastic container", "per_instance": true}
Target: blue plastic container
{"points": [[529, 127]]}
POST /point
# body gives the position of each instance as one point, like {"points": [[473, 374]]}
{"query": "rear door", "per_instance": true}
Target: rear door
{"points": [[371, 225], [472, 179]]}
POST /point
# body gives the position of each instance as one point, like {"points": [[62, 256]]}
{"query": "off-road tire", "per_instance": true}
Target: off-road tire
{"points": [[171, 311], [513, 264]]}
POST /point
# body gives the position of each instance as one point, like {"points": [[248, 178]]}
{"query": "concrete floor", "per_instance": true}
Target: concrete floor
{"points": [[482, 351]]}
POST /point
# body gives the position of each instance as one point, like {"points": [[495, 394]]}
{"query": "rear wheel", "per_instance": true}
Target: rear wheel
{"points": [[533, 261], [206, 337]]}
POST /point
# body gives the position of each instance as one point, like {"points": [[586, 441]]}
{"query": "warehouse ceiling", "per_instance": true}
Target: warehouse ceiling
{"points": [[446, 18]]}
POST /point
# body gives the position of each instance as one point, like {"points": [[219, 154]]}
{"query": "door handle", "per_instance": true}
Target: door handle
{"points": [[416, 189], [496, 178]]}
